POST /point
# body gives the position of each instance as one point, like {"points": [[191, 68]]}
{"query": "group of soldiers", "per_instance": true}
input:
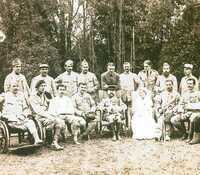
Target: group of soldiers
{"points": [[70, 101]]}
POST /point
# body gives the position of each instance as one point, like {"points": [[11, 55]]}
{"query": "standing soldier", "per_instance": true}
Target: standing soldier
{"points": [[69, 78], [85, 107], [39, 104], [50, 84], [166, 75], [188, 74], [166, 105], [148, 76], [90, 79], [16, 76], [110, 79], [129, 82], [188, 98]]}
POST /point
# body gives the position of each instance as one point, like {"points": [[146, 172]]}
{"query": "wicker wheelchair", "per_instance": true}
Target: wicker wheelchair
{"points": [[12, 139]]}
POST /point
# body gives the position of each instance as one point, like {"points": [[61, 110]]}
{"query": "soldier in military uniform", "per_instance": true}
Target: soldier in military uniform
{"points": [[110, 79], [50, 84], [191, 96], [85, 107], [188, 74], [194, 130], [166, 105], [90, 79], [113, 110], [69, 78], [16, 76], [148, 76], [62, 107], [166, 75], [39, 104], [129, 82], [16, 111]]}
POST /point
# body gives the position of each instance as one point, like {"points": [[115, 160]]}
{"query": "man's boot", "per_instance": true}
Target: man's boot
{"points": [[195, 139], [117, 131], [191, 132]]}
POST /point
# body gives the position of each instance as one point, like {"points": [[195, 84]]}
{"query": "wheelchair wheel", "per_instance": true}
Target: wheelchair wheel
{"points": [[40, 129], [4, 137]]}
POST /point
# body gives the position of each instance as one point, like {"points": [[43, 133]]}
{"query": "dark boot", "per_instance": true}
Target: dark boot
{"points": [[117, 130], [195, 139], [191, 132]]}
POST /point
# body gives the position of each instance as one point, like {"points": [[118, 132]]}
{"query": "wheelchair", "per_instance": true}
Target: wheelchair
{"points": [[12, 139]]}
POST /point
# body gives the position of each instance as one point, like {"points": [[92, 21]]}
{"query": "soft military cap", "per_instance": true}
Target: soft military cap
{"points": [[43, 65], [189, 66]]}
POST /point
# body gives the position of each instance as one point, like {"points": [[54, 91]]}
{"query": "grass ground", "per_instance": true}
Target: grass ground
{"points": [[105, 157]]}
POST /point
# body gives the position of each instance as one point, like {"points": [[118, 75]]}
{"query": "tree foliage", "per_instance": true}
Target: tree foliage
{"points": [[99, 31]]}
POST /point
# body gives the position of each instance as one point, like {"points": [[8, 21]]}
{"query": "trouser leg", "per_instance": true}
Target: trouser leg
{"points": [[30, 125], [59, 126]]}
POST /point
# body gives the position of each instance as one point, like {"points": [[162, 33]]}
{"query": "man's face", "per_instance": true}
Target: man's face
{"points": [[190, 84], [147, 67], [61, 90], [14, 88], [44, 71], [169, 86], [17, 68], [68, 67], [187, 71], [111, 68], [42, 87], [85, 68], [110, 93], [127, 68], [82, 88], [166, 70]]}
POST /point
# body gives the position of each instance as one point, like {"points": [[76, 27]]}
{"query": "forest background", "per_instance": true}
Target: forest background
{"points": [[99, 31]]}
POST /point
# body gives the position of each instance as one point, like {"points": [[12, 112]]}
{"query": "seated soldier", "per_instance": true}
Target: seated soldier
{"points": [[113, 109], [39, 104], [194, 129], [85, 107], [16, 111], [62, 107], [190, 97], [166, 106]]}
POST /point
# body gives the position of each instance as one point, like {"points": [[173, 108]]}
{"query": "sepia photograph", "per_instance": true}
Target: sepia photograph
{"points": [[100, 87]]}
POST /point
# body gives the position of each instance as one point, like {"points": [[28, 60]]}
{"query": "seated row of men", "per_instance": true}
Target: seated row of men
{"points": [[78, 112]]}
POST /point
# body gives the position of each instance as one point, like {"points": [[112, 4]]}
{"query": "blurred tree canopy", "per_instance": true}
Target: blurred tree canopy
{"points": [[99, 31]]}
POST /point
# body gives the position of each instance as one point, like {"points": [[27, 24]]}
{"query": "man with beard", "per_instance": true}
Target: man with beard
{"points": [[112, 108], [166, 105], [148, 76], [69, 78], [90, 79], [129, 82], [189, 98], [188, 74], [39, 104], [166, 75], [110, 79], [19, 78], [50, 84]]}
